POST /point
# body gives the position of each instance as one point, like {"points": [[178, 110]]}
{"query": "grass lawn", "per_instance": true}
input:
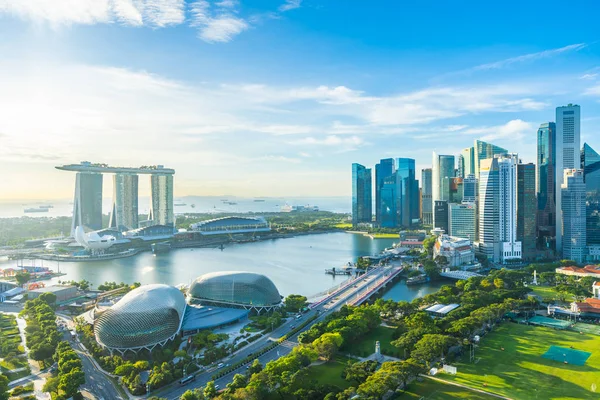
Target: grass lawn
{"points": [[520, 371], [366, 346], [543, 291], [433, 390], [343, 226], [13, 376], [16, 362], [385, 235], [331, 372]]}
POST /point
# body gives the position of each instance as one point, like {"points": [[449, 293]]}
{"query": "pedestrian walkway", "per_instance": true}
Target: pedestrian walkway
{"points": [[467, 387]]}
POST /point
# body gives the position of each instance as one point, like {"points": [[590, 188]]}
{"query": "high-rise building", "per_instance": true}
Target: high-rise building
{"points": [[468, 157], [87, 203], [573, 215], [452, 189], [483, 151], [440, 215], [590, 163], [388, 198], [427, 216], [383, 170], [442, 167], [161, 204], [462, 219], [407, 191], [526, 210], [545, 188], [469, 189], [460, 169], [124, 212], [498, 209], [567, 156], [361, 194]]}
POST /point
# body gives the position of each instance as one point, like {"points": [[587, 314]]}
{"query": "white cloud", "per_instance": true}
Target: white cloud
{"points": [[330, 140], [158, 13], [593, 91], [290, 5], [218, 24], [589, 76], [515, 130], [529, 57]]}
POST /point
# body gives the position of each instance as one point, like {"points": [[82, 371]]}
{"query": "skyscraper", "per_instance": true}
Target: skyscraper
{"points": [[590, 163], [407, 192], [483, 151], [440, 215], [124, 212], [468, 157], [442, 167], [469, 189], [462, 219], [567, 156], [545, 188], [573, 215], [161, 204], [452, 189], [526, 209], [383, 170], [361, 194], [388, 197], [87, 203], [498, 209], [426, 196]]}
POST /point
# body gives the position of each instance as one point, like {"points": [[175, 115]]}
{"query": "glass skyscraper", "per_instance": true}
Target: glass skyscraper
{"points": [[387, 196], [568, 154], [427, 214], [440, 215], [545, 188], [469, 189], [361, 194], [442, 167], [407, 192], [573, 192], [526, 209], [462, 219], [590, 163], [483, 151], [383, 170]]}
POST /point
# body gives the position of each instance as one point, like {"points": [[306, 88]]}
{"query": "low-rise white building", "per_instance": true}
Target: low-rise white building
{"points": [[458, 251]]}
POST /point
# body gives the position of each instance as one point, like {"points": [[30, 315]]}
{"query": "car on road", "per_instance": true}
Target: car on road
{"points": [[217, 387], [292, 326], [220, 365]]}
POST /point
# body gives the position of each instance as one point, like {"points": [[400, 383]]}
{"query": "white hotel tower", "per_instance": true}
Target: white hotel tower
{"points": [[498, 209]]}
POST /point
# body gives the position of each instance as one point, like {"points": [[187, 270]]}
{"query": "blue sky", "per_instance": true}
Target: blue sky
{"points": [[278, 98]]}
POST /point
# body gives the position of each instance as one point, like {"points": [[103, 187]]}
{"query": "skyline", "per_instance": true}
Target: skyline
{"points": [[277, 100]]}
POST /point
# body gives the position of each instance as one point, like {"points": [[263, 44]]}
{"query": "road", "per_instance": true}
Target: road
{"points": [[345, 295], [96, 381]]}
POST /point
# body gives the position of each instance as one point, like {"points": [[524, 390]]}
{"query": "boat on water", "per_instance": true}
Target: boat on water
{"points": [[35, 210], [258, 200], [415, 280], [231, 203], [160, 247], [193, 206], [179, 204], [46, 206]]}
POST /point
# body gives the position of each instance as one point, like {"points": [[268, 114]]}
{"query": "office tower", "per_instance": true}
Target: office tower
{"points": [[452, 190], [407, 192], [124, 212], [361, 194], [545, 188], [469, 189], [573, 215], [442, 167], [388, 212], [440, 215], [567, 156], [161, 204], [498, 209], [590, 163], [460, 170], [426, 196], [526, 210], [383, 170], [462, 219], [483, 151], [468, 157], [87, 204]]}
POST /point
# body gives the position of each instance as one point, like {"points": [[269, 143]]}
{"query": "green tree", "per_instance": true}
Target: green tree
{"points": [[430, 347], [328, 344], [295, 303], [209, 390], [195, 394], [428, 244], [48, 298], [255, 367], [22, 277], [359, 371], [3, 387], [239, 381], [431, 269], [69, 383], [51, 385]]}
